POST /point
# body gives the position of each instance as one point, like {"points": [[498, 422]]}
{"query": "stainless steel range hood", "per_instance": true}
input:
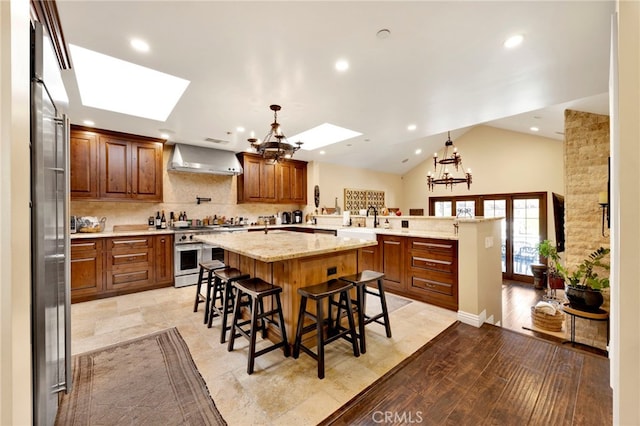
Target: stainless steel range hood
{"points": [[196, 159]]}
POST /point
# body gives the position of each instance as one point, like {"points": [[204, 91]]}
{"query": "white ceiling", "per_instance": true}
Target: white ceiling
{"points": [[442, 68]]}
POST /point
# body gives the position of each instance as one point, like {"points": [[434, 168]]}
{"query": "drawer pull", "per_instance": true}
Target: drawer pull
{"points": [[76, 245], [392, 242], [130, 242], [434, 245], [432, 261]]}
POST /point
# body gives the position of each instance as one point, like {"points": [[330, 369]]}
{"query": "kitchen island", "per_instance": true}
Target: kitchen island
{"points": [[290, 260]]}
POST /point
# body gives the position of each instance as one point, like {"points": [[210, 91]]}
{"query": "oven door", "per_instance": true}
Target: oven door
{"points": [[187, 263]]}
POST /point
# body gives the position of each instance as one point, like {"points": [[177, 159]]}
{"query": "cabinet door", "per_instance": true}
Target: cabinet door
{"points": [[163, 248], [392, 260], [146, 171], [268, 182], [299, 182], [285, 182], [115, 173], [251, 178], [129, 263], [86, 269], [83, 159], [368, 259]]}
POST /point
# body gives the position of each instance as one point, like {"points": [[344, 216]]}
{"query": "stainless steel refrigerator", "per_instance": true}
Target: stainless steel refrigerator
{"points": [[50, 279]]}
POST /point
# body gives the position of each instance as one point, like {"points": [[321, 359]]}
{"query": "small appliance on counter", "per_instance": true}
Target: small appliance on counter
{"points": [[286, 218], [297, 216], [73, 227]]}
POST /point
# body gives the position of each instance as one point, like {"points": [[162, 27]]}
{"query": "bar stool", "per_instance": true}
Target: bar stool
{"points": [[209, 267], [360, 281], [319, 292], [223, 292], [256, 290]]}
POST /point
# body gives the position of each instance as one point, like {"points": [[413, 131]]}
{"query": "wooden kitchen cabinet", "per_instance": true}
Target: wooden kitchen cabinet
{"points": [[266, 182], [368, 259], [83, 157], [107, 165], [130, 263], [163, 249], [392, 254], [432, 271], [86, 269]]}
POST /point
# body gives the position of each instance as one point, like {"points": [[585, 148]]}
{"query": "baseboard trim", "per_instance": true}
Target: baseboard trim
{"points": [[472, 319]]}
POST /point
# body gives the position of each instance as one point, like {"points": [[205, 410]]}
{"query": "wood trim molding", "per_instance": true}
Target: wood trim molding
{"points": [[46, 12]]}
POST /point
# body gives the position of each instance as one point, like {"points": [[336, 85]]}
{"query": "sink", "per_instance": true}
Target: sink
{"points": [[358, 233]]}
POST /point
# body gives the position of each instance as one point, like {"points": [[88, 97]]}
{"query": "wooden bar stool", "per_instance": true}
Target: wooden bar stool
{"points": [[207, 267], [319, 293], [360, 281], [223, 291], [256, 290]]}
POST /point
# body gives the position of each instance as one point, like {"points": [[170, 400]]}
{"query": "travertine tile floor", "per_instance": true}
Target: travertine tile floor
{"points": [[281, 390]]}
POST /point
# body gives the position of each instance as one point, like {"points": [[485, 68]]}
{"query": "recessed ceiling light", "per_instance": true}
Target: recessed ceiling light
{"points": [[240, 129], [322, 152], [139, 45], [342, 65], [164, 135], [513, 41], [115, 85], [534, 128], [418, 151], [323, 135], [89, 123], [411, 127]]}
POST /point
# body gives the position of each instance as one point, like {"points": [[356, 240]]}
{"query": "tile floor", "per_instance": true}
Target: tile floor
{"points": [[281, 390]]}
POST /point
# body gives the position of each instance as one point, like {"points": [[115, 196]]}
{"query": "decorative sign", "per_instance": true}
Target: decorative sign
{"points": [[360, 199]]}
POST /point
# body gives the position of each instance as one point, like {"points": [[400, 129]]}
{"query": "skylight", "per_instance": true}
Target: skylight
{"points": [[323, 135], [115, 85]]}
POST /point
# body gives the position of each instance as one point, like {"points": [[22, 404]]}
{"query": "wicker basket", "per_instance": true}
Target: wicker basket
{"points": [[545, 321]]}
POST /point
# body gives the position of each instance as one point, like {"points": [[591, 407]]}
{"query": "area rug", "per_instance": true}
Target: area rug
{"points": [[393, 303], [150, 380]]}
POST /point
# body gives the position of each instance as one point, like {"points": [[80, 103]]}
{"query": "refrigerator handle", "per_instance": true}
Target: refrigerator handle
{"points": [[65, 124]]}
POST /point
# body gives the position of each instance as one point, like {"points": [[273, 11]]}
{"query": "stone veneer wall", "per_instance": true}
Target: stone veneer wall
{"points": [[586, 154]]}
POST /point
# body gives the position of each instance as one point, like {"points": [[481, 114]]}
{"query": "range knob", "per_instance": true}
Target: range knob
{"points": [[182, 238]]}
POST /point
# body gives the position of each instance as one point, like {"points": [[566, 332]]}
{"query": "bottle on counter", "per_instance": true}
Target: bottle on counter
{"points": [[163, 221], [158, 219], [172, 219], [151, 223]]}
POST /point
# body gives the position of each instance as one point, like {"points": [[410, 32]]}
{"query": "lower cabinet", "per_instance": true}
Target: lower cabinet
{"points": [[87, 280], [424, 269], [104, 267]]}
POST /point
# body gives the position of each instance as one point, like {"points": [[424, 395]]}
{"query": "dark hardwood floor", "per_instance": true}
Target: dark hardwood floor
{"points": [[487, 375]]}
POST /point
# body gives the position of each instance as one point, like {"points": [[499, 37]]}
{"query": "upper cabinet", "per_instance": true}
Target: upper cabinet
{"points": [[267, 182], [123, 167]]}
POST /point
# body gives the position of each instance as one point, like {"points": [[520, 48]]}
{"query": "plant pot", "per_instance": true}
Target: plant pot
{"points": [[556, 283], [584, 299], [539, 271]]}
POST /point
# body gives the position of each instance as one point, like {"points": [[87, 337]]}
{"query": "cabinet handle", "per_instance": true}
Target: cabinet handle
{"points": [[446, 246], [432, 261], [392, 242], [82, 245], [129, 242]]}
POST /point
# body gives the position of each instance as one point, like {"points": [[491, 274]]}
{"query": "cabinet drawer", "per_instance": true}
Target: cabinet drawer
{"points": [[116, 244], [79, 246], [432, 261], [119, 259], [434, 282], [433, 246], [127, 277]]}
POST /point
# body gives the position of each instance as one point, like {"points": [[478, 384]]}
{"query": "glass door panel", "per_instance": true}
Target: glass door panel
{"points": [[442, 208], [526, 234], [465, 208], [498, 208]]}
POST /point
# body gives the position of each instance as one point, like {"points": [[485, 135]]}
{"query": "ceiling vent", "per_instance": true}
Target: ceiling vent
{"points": [[217, 141]]}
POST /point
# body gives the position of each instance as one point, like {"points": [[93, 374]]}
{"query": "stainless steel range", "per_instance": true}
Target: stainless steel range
{"points": [[188, 252]]}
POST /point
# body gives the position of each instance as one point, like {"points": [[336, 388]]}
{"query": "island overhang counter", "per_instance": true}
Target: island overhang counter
{"points": [[290, 260]]}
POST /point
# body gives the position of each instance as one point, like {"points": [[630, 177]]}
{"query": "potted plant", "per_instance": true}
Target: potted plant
{"points": [[584, 285], [555, 278]]}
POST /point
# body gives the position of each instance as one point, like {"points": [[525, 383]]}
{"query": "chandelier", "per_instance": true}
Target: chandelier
{"points": [[275, 145], [441, 175]]}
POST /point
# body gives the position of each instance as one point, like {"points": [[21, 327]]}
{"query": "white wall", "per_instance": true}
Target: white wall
{"points": [[333, 179], [15, 320], [501, 161], [625, 229]]}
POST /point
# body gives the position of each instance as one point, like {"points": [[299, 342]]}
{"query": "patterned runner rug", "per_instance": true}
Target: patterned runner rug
{"points": [[150, 380]]}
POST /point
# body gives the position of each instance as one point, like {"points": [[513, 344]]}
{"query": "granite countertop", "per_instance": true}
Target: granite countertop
{"points": [[279, 245]]}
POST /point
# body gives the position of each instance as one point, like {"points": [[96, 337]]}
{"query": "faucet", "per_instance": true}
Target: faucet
{"points": [[375, 215]]}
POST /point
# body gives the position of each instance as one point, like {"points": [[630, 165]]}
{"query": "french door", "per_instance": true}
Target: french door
{"points": [[523, 227]]}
